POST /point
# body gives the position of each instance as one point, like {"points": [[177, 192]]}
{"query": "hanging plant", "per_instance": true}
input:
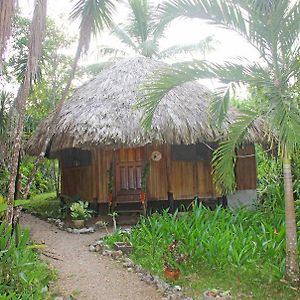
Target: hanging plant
{"points": [[145, 174]]}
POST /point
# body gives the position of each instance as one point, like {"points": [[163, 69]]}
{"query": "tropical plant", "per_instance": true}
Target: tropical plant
{"points": [[142, 35], [79, 211], [272, 28], [22, 274]]}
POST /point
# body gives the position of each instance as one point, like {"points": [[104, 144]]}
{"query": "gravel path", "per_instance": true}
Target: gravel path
{"points": [[86, 275]]}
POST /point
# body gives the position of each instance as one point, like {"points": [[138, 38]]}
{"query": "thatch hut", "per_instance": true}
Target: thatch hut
{"points": [[107, 157]]}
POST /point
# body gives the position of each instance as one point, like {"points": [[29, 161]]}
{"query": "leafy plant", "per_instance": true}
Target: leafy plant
{"points": [[80, 211], [22, 274]]}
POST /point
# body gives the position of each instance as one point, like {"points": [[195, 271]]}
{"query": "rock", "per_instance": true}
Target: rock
{"points": [[59, 298], [106, 253], [92, 248], [69, 229], [100, 225], [177, 288], [128, 263], [129, 269], [147, 278], [116, 254], [98, 248], [138, 268], [57, 221]]}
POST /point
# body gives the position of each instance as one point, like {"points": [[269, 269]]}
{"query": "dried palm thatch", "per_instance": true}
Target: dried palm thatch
{"points": [[7, 10], [101, 113]]}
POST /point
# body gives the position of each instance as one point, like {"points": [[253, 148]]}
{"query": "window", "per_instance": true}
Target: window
{"points": [[76, 158], [196, 152]]}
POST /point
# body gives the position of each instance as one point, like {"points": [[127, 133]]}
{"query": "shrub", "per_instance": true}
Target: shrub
{"points": [[22, 274]]}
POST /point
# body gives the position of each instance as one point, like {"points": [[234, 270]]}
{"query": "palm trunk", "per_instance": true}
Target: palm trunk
{"points": [[36, 33], [292, 266], [16, 148], [30, 178]]}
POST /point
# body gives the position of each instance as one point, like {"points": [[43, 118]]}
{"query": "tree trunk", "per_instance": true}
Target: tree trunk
{"points": [[36, 33], [30, 178], [292, 266], [16, 148]]}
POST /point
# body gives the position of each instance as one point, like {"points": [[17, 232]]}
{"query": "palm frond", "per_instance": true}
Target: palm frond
{"points": [[94, 16], [7, 10], [224, 157], [140, 19], [37, 31], [124, 37], [95, 69], [203, 47], [103, 50]]}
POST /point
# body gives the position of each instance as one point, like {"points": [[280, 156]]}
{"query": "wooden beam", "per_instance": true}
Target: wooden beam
{"points": [[167, 156]]}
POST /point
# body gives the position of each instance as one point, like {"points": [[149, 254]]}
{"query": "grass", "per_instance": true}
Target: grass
{"points": [[44, 206], [240, 250]]}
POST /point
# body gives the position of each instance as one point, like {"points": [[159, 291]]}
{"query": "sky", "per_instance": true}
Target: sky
{"points": [[183, 31]]}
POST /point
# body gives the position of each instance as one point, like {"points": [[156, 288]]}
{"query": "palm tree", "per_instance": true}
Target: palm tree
{"points": [[142, 34], [7, 9], [35, 44], [272, 28], [94, 16]]}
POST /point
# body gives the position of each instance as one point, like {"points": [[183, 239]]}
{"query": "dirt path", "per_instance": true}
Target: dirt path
{"points": [[86, 275]]}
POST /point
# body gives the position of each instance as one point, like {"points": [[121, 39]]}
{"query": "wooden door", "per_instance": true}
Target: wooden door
{"points": [[129, 168]]}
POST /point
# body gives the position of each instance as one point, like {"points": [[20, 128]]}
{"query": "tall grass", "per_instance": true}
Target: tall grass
{"points": [[219, 238]]}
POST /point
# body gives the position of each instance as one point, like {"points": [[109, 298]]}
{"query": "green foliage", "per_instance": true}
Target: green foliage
{"points": [[248, 245], [22, 274], [44, 205], [219, 238], [79, 211]]}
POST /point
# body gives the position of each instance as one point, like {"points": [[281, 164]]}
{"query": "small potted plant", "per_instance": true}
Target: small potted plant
{"points": [[80, 213], [216, 294], [172, 260]]}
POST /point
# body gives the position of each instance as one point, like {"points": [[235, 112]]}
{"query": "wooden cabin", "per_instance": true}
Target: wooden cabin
{"points": [[178, 171], [107, 157]]}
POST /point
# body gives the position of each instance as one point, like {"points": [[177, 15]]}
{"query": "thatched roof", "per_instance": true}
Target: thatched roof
{"points": [[100, 113]]}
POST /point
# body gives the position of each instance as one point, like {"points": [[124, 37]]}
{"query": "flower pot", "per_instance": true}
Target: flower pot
{"points": [[78, 223], [171, 274], [208, 296]]}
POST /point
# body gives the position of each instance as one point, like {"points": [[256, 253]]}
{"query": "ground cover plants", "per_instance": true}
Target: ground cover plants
{"points": [[44, 205], [242, 250], [22, 274]]}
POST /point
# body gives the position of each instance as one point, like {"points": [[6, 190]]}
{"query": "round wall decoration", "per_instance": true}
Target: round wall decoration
{"points": [[156, 156]]}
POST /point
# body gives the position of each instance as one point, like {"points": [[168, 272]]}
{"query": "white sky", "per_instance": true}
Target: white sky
{"points": [[184, 31]]}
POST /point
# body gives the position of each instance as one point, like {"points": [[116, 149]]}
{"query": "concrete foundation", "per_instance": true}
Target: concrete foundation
{"points": [[242, 198]]}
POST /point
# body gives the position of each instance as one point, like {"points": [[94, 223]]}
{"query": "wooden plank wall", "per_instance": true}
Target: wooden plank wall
{"points": [[77, 181], [157, 180], [104, 161], [187, 178], [246, 168]]}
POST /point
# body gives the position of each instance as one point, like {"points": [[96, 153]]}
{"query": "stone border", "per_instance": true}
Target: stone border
{"points": [[169, 292], [61, 226]]}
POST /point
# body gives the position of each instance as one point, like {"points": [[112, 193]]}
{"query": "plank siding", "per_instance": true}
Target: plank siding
{"points": [[157, 185], [105, 159], [77, 181], [246, 168], [185, 178]]}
